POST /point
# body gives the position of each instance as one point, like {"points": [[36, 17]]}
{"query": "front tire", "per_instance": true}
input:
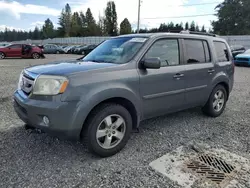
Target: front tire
{"points": [[216, 102], [2, 55], [108, 129]]}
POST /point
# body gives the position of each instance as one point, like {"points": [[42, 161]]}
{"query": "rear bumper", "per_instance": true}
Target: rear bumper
{"points": [[60, 114]]}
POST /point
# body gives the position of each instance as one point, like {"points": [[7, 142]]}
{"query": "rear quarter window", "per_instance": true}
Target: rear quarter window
{"points": [[222, 52]]}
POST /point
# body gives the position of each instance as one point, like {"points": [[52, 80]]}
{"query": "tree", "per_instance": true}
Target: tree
{"points": [[83, 24], [48, 29], [101, 25], [232, 15], [92, 29], [186, 26], [197, 28], [111, 19], [65, 21], [76, 25], [192, 26], [36, 34], [203, 29], [125, 27]]}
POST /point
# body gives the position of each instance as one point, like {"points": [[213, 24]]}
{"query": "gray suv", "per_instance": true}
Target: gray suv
{"points": [[103, 97]]}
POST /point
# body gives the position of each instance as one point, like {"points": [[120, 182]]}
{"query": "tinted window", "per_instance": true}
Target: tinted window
{"points": [[221, 51], [15, 46], [195, 51], [167, 50]]}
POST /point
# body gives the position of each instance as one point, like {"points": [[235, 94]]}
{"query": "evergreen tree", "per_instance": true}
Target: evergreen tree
{"points": [[76, 25], [203, 29], [192, 26], [48, 29], [125, 27], [36, 34], [65, 21], [187, 26], [197, 28], [92, 29], [111, 19]]}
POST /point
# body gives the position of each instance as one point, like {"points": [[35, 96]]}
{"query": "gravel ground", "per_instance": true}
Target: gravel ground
{"points": [[32, 159]]}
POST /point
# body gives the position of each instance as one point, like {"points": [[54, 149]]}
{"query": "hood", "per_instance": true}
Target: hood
{"points": [[67, 67], [243, 55]]}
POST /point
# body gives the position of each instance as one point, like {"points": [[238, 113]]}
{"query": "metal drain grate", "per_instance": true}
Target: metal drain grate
{"points": [[211, 167]]}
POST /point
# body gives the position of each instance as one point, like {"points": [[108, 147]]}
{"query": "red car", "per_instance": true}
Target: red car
{"points": [[22, 51]]}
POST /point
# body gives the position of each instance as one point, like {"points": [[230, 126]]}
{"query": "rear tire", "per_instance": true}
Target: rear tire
{"points": [[2, 55], [216, 102], [57, 52], [36, 55], [107, 129]]}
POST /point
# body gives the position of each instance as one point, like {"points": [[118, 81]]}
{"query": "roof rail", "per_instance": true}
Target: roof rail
{"points": [[198, 33]]}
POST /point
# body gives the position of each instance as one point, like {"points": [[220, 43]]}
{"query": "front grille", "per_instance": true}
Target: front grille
{"points": [[27, 83]]}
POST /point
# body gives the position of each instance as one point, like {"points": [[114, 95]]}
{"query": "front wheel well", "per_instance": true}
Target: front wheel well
{"points": [[123, 102]]}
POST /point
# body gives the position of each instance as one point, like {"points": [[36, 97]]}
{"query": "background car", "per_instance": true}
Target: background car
{"points": [[15, 50], [76, 50], [85, 50], [72, 49], [243, 59], [237, 49], [53, 49]]}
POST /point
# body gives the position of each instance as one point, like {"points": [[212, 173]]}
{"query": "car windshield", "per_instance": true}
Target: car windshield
{"points": [[116, 50]]}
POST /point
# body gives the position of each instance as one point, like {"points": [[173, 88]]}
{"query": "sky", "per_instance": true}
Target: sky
{"points": [[27, 14]]}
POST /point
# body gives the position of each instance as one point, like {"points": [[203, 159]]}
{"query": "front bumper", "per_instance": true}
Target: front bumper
{"points": [[60, 114]]}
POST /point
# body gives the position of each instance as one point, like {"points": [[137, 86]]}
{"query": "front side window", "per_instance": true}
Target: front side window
{"points": [[116, 50], [167, 50], [221, 51]]}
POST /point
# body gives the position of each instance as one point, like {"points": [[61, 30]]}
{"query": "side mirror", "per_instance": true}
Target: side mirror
{"points": [[151, 63]]}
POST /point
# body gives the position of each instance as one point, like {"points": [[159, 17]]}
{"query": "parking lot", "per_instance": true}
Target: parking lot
{"points": [[29, 158]]}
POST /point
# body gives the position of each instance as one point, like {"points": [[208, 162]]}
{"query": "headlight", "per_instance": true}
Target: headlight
{"points": [[50, 85], [20, 81]]}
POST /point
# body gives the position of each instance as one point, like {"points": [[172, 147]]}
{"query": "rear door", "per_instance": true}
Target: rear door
{"points": [[199, 71], [14, 50], [163, 90]]}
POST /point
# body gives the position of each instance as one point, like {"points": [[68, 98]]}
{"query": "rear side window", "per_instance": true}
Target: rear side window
{"points": [[221, 51], [197, 51]]}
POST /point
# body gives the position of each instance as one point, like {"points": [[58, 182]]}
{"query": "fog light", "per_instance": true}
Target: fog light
{"points": [[46, 120]]}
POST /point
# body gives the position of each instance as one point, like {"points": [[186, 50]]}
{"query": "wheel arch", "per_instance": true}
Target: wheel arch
{"points": [[221, 79], [123, 102]]}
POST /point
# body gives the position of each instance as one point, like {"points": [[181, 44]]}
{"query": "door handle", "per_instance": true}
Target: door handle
{"points": [[210, 71], [178, 75]]}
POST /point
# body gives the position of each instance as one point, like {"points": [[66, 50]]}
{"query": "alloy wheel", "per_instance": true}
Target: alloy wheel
{"points": [[111, 131], [219, 100]]}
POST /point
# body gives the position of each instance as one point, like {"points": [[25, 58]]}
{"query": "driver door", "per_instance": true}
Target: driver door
{"points": [[163, 90]]}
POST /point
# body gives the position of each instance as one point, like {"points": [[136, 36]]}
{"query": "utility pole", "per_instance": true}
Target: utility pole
{"points": [[139, 12]]}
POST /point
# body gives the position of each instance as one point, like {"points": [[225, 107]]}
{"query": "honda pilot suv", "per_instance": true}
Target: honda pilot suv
{"points": [[104, 96]]}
